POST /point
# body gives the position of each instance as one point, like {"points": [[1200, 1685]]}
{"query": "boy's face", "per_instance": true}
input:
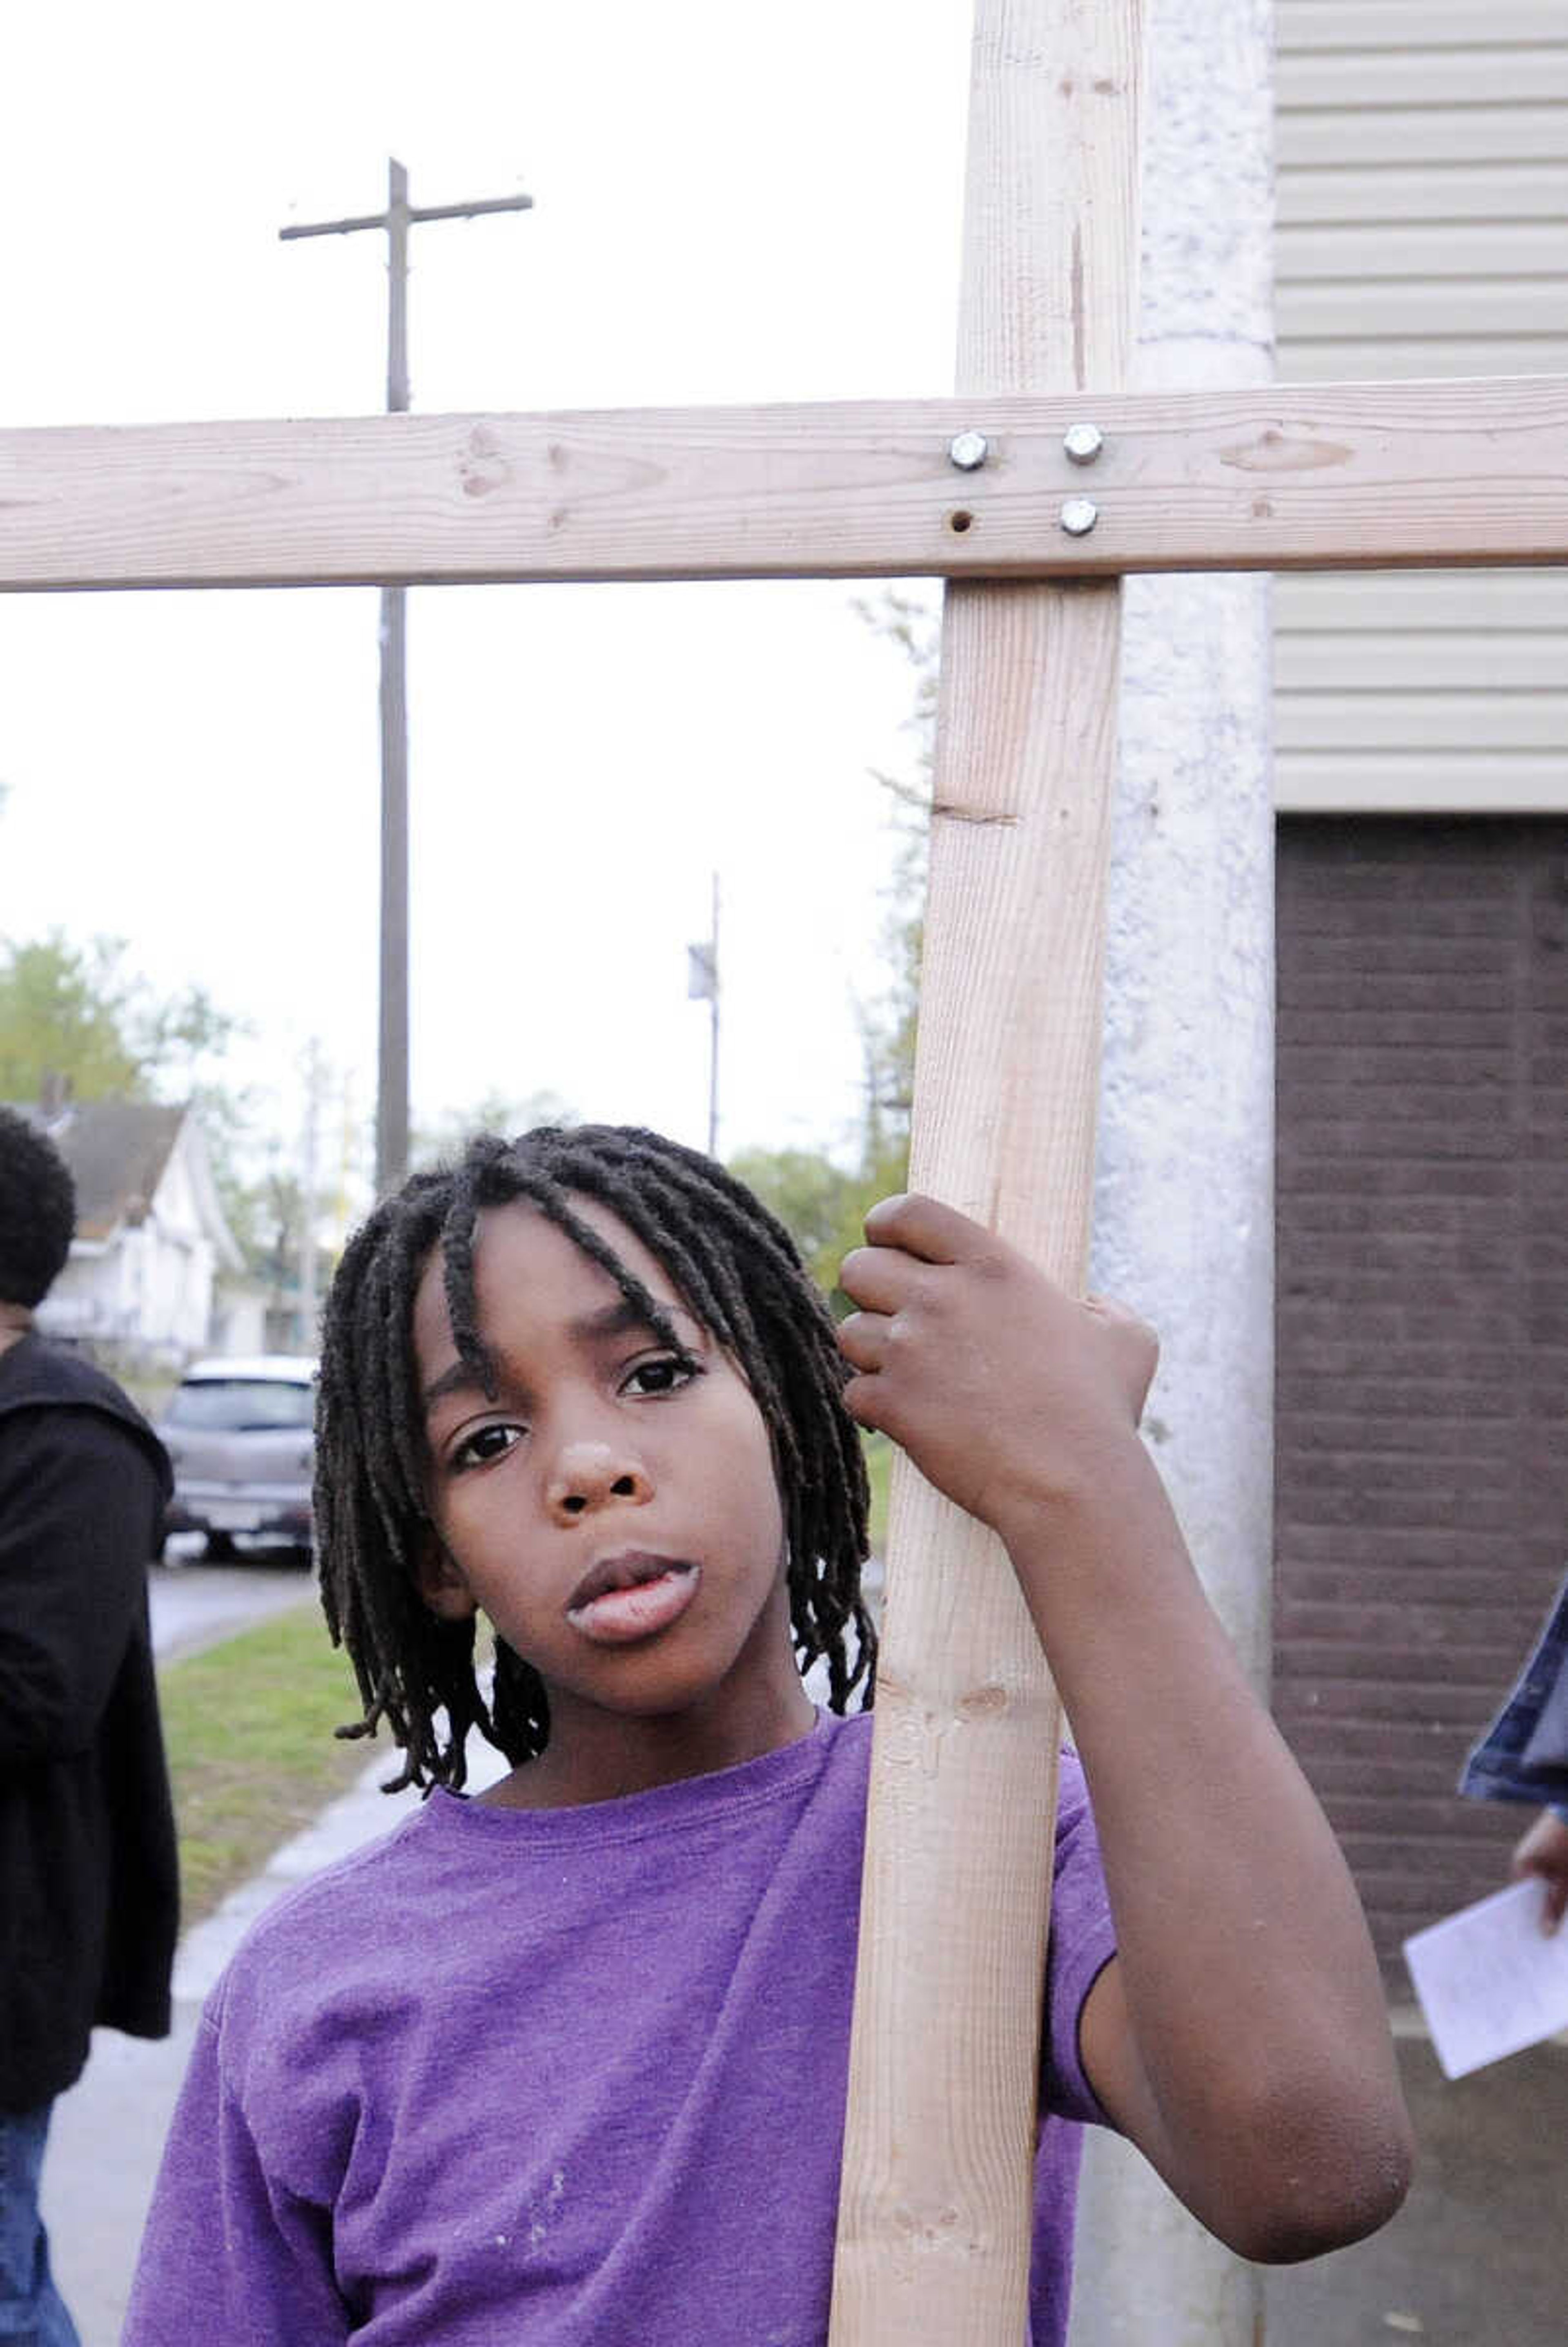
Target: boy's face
{"points": [[615, 1515]]}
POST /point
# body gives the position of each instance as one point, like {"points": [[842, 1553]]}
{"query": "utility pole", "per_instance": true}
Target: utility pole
{"points": [[315, 1078], [391, 1082], [702, 986]]}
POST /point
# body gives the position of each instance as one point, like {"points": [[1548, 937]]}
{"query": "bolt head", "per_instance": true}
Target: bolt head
{"points": [[1079, 515], [968, 450], [1083, 442]]}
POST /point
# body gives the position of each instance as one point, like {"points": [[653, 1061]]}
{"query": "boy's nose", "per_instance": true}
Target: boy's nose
{"points": [[590, 1475]]}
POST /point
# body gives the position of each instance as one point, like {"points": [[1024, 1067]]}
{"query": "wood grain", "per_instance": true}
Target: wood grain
{"points": [[935, 2211], [1327, 476]]}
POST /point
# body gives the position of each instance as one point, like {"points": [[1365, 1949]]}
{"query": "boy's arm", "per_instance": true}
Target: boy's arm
{"points": [[228, 2253], [1240, 2038]]}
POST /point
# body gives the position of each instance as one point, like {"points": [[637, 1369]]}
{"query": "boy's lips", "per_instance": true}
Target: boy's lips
{"points": [[631, 1596]]}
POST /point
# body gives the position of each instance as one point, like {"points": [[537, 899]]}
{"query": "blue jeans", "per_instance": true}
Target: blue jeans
{"points": [[32, 2312], [1523, 1756]]}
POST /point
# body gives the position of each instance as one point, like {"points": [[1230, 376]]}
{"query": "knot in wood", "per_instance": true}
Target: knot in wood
{"points": [[987, 1702]]}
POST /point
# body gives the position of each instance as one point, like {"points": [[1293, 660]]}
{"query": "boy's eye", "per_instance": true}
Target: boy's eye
{"points": [[662, 1375], [488, 1443]]}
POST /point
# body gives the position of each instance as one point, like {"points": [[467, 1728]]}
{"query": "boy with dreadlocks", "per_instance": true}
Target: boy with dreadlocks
{"points": [[565, 2063]]}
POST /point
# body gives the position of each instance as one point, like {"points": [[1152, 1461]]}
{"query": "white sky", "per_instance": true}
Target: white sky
{"points": [[731, 204]]}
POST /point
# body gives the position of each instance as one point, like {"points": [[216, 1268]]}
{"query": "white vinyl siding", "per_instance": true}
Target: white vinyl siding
{"points": [[1422, 231]]}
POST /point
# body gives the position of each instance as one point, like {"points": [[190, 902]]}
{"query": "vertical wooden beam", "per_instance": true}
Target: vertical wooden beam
{"points": [[934, 2215]]}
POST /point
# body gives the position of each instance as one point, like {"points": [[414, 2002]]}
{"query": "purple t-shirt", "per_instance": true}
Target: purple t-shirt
{"points": [[564, 2078]]}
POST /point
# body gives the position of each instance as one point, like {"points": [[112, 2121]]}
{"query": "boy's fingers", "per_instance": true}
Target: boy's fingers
{"points": [[878, 1279], [862, 1396], [861, 1338], [924, 1226]]}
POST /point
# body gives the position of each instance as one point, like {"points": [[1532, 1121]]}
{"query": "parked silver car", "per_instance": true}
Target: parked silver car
{"points": [[241, 1433]]}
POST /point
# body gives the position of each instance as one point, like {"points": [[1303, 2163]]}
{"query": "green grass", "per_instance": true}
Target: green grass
{"points": [[249, 1727], [879, 1453]]}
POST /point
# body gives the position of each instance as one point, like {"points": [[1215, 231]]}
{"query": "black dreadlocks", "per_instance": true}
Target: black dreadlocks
{"points": [[737, 1270], [37, 1212]]}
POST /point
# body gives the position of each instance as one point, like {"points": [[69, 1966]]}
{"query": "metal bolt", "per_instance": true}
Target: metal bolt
{"points": [[1079, 515], [969, 450], [1083, 442]]}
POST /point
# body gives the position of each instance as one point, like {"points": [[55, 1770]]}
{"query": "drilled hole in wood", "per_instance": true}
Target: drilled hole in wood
{"points": [[959, 521]]}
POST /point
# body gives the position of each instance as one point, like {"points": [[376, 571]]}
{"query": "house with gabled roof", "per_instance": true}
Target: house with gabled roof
{"points": [[151, 1238]]}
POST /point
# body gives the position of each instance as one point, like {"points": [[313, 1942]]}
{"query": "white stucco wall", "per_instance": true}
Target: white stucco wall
{"points": [[1183, 1192]]}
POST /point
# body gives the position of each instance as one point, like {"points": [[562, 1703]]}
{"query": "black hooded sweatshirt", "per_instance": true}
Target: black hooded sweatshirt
{"points": [[88, 1885]]}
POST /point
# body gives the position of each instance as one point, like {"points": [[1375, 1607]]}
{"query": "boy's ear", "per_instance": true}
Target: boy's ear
{"points": [[442, 1584]]}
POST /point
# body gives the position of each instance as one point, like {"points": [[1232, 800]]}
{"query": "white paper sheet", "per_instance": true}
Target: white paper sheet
{"points": [[1489, 1980]]}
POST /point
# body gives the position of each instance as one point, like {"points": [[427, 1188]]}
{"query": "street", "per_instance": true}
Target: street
{"points": [[195, 1605]]}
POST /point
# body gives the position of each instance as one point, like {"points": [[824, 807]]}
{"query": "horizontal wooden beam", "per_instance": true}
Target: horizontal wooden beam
{"points": [[1329, 477], [1254, 480]]}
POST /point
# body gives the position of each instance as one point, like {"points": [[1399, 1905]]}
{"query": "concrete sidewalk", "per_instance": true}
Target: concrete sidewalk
{"points": [[107, 2133], [1478, 2257]]}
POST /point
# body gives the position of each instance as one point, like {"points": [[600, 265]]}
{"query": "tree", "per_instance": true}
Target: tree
{"points": [[268, 1217], [823, 1206], [63, 1014], [72, 1013], [813, 1198], [444, 1137], [889, 1027]]}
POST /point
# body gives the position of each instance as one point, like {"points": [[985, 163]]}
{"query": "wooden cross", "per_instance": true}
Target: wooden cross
{"points": [[1032, 493]]}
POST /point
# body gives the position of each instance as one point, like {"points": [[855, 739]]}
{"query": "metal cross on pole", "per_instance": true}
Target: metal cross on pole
{"points": [[392, 1085]]}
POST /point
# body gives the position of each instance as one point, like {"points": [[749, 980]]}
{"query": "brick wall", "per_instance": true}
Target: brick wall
{"points": [[1421, 1497]]}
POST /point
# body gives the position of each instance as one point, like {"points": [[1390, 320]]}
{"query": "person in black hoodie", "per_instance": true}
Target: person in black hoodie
{"points": [[88, 1885]]}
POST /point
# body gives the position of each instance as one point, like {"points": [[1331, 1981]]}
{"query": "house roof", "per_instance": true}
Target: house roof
{"points": [[117, 1153]]}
